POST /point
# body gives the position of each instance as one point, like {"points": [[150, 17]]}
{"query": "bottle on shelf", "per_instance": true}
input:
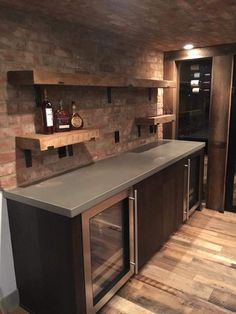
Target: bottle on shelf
{"points": [[47, 115], [61, 119], [76, 120]]}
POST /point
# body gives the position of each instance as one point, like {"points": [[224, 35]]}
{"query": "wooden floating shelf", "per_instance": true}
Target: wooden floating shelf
{"points": [[41, 77], [133, 82], [43, 142], [155, 119]]}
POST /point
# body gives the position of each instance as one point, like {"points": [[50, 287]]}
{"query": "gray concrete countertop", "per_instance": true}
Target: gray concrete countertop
{"points": [[72, 193]]}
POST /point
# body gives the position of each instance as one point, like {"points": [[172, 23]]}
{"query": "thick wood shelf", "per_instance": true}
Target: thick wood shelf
{"points": [[43, 142], [134, 82], [155, 119], [41, 77]]}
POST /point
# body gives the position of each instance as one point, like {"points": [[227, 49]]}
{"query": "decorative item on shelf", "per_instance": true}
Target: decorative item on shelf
{"points": [[61, 119], [196, 75], [195, 90], [194, 67], [194, 83], [76, 120], [47, 115]]}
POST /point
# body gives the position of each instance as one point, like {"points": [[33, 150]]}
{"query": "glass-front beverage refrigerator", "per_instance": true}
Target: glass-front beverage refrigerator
{"points": [[108, 248], [192, 184]]}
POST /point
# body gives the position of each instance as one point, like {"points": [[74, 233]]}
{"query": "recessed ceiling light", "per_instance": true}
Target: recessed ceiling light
{"points": [[188, 46]]}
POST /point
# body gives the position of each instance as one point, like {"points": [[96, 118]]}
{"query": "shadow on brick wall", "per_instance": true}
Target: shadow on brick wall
{"points": [[47, 164]]}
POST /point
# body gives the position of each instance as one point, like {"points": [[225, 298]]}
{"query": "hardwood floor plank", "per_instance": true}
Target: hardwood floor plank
{"points": [[217, 238], [200, 253], [176, 281], [213, 271], [197, 242], [211, 266], [214, 224], [226, 286], [226, 216], [198, 305], [156, 301], [121, 305], [223, 299], [183, 269]]}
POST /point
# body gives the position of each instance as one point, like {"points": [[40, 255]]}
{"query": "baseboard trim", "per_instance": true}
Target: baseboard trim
{"points": [[10, 302]]}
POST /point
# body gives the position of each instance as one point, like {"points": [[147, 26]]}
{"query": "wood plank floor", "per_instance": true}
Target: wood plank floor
{"points": [[195, 272]]}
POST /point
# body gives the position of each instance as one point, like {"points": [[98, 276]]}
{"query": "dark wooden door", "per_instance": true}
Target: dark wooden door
{"points": [[149, 203], [160, 209], [172, 198], [169, 200]]}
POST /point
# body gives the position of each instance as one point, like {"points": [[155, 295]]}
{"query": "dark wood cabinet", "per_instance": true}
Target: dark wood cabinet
{"points": [[48, 260], [160, 209]]}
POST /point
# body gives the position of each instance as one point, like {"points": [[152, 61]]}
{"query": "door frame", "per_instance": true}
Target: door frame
{"points": [[231, 154]]}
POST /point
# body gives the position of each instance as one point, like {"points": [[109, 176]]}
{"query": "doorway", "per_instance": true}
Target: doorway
{"points": [[230, 195]]}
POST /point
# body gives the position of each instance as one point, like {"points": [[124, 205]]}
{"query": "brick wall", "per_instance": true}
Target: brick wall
{"points": [[28, 42]]}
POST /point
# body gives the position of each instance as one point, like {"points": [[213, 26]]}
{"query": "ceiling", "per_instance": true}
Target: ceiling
{"points": [[165, 24]]}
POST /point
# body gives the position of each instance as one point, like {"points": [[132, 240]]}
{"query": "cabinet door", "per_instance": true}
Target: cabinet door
{"points": [[149, 203], [172, 198], [160, 209], [169, 201]]}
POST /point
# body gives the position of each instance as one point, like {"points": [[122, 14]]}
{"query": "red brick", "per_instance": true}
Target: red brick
{"points": [[7, 157], [7, 169], [8, 182], [7, 144]]}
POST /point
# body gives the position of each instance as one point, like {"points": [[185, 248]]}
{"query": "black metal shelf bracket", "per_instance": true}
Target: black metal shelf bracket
{"points": [[70, 150], [149, 93], [139, 130], [28, 158], [38, 95], [109, 95], [62, 152]]}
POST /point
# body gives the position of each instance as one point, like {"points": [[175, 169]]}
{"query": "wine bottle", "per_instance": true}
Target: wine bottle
{"points": [[76, 120], [61, 119], [47, 115]]}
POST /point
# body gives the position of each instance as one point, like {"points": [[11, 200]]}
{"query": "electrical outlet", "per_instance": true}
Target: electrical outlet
{"points": [[117, 136]]}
